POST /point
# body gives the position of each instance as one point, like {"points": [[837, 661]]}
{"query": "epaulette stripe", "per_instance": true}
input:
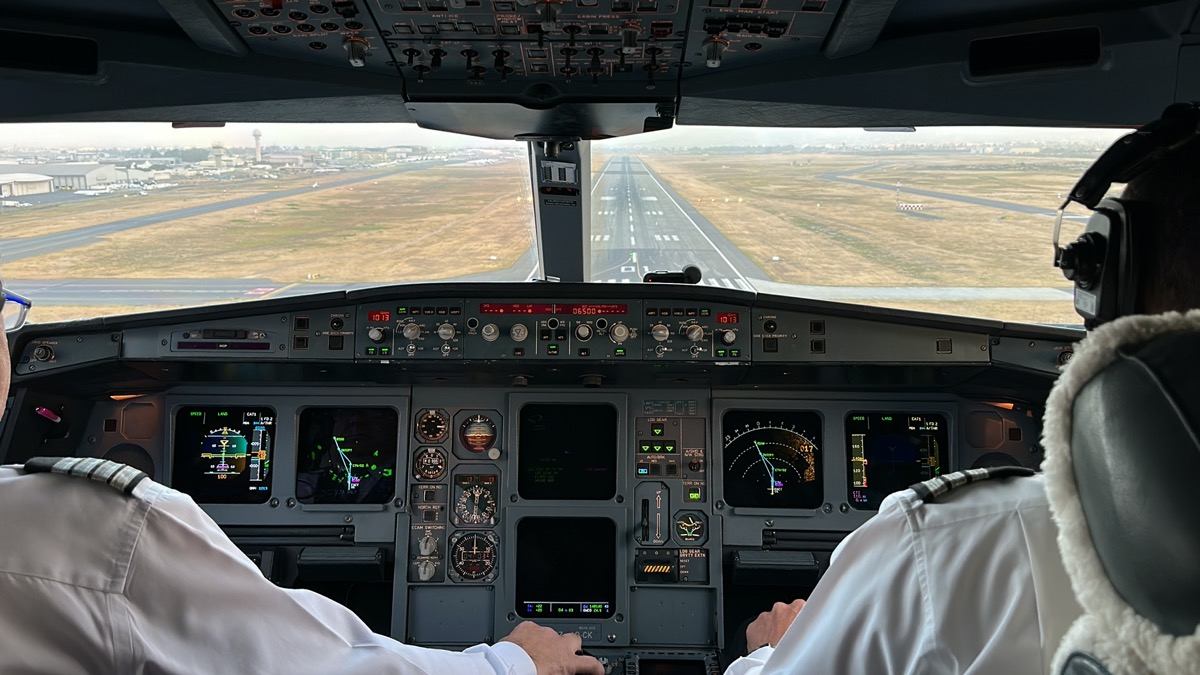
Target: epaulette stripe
{"points": [[939, 485], [120, 476]]}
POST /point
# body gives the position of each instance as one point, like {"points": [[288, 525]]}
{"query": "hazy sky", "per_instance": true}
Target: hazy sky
{"points": [[142, 134]]}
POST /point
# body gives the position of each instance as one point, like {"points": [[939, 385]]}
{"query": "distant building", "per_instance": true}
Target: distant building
{"points": [[78, 175], [22, 184]]}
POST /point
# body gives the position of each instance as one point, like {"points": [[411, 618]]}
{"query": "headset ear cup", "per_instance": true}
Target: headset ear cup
{"points": [[1126, 220]]}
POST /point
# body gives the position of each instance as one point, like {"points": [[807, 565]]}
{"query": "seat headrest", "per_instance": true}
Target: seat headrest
{"points": [[1122, 477]]}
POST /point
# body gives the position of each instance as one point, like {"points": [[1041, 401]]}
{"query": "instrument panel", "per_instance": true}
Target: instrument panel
{"points": [[627, 476]]}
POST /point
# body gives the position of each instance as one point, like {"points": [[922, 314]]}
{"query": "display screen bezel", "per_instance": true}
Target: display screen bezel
{"points": [[814, 494], [206, 494], [388, 450], [526, 487], [542, 549], [944, 454]]}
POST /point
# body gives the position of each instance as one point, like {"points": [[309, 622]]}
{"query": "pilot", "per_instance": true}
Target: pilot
{"points": [[119, 574], [950, 578]]}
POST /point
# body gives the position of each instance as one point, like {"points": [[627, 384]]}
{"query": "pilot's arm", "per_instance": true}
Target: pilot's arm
{"points": [[968, 582], [865, 616], [195, 604]]}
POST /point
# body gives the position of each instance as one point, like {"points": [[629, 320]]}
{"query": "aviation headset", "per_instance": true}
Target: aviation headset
{"points": [[1103, 261]]}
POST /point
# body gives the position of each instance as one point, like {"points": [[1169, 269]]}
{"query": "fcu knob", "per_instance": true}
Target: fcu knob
{"points": [[728, 337], [518, 332], [583, 332], [411, 331], [694, 333], [490, 332], [446, 331], [660, 332], [618, 333], [377, 334]]}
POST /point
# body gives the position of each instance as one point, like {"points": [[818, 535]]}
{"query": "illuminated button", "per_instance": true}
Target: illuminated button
{"points": [[643, 469], [657, 428], [371, 351], [552, 350], [384, 351], [695, 494], [704, 311], [735, 353], [721, 353], [668, 446], [620, 351], [646, 447]]}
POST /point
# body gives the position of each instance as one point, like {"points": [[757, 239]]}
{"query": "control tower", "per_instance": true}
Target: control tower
{"points": [[257, 146]]}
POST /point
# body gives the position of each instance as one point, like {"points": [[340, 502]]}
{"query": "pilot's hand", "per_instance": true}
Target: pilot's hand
{"points": [[769, 627], [553, 654]]}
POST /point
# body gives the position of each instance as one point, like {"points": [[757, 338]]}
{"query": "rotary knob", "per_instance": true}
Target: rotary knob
{"points": [[584, 332], [377, 334], [490, 332], [618, 333], [728, 337], [518, 332], [428, 545], [446, 331], [411, 331], [446, 349], [425, 570], [660, 332], [694, 333]]}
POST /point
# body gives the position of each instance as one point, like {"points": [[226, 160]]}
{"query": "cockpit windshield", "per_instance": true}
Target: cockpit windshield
{"points": [[102, 218]]}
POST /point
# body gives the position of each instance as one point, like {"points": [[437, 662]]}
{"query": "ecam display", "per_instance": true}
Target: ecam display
{"points": [[567, 451]]}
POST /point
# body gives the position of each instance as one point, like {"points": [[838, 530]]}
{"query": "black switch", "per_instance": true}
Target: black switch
{"points": [[337, 343], [770, 344]]}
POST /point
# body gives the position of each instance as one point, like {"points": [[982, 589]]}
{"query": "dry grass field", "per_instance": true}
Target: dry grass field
{"points": [[802, 228], [427, 224]]}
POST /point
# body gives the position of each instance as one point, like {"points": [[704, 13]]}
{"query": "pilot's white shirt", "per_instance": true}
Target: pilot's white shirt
{"points": [[971, 583], [94, 581]]}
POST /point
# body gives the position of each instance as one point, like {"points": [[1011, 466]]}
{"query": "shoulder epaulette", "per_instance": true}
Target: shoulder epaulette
{"points": [[120, 476], [940, 485]]}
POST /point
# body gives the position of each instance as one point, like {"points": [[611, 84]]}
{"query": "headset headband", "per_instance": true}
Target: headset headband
{"points": [[1131, 155]]}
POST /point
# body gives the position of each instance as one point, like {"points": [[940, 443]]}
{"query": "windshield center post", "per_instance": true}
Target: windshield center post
{"points": [[560, 170]]}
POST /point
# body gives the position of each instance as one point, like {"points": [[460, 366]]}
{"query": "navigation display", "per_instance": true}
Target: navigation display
{"points": [[222, 454], [566, 568], [347, 455], [773, 459], [567, 451], [891, 451]]}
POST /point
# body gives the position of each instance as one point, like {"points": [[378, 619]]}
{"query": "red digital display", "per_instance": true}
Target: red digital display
{"points": [[543, 308], [378, 316], [727, 317], [515, 308], [588, 310]]}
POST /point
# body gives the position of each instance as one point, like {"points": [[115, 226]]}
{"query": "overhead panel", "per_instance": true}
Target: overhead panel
{"points": [[577, 48], [335, 33], [726, 34]]}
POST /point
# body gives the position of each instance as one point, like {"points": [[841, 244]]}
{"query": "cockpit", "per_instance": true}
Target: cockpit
{"points": [[613, 315]]}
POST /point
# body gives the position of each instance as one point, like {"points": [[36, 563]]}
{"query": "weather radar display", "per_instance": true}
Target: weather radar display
{"points": [[222, 454], [772, 459], [347, 455]]}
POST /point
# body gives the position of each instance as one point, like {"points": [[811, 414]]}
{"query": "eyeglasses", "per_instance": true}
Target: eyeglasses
{"points": [[15, 310]]}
